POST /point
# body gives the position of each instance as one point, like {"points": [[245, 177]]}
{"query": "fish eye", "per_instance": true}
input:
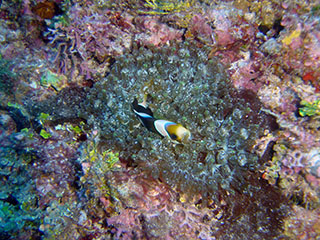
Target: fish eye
{"points": [[173, 136]]}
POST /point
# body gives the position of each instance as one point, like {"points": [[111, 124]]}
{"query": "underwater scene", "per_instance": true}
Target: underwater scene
{"points": [[159, 119]]}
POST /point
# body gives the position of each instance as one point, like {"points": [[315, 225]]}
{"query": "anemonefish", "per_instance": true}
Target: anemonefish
{"points": [[174, 131]]}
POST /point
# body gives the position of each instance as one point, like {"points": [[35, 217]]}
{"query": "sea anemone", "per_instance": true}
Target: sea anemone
{"points": [[184, 86]]}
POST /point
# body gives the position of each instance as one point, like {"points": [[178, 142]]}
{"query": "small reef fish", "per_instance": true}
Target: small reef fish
{"points": [[174, 131]]}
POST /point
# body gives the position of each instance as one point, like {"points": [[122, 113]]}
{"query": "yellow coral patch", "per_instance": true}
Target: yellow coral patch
{"points": [[288, 39], [166, 7]]}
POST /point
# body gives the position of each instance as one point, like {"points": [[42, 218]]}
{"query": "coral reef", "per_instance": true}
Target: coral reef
{"points": [[195, 91], [19, 212], [216, 166], [6, 76], [89, 39], [242, 76], [174, 93], [132, 205]]}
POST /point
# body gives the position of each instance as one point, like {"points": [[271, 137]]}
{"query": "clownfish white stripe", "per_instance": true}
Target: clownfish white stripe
{"points": [[161, 127], [143, 115], [175, 132]]}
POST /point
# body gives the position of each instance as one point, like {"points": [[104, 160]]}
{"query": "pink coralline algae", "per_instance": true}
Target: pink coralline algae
{"points": [[304, 224], [143, 207], [223, 24], [231, 27], [156, 33], [199, 28], [53, 171], [92, 37], [234, 42], [301, 45], [246, 72]]}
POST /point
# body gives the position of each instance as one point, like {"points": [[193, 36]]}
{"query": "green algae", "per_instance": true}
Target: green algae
{"points": [[309, 108], [45, 134]]}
